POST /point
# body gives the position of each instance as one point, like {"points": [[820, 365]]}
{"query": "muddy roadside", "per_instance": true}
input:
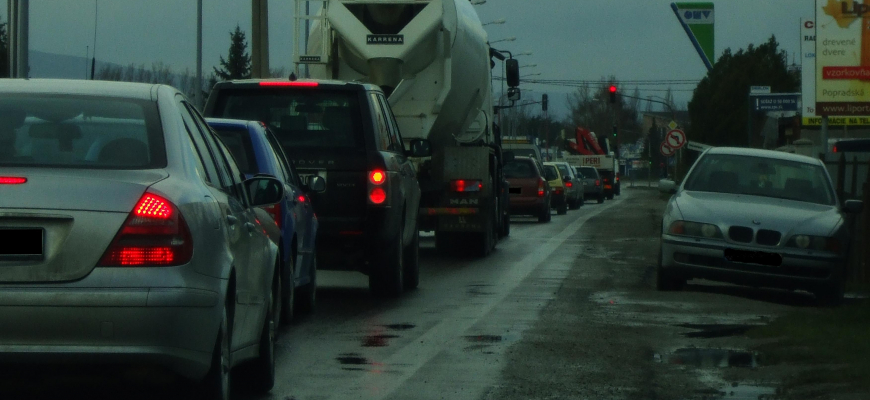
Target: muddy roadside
{"points": [[609, 334]]}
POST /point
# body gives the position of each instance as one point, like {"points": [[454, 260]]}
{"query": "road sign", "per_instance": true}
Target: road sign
{"points": [[666, 150], [776, 102], [672, 125], [759, 90], [675, 139]]}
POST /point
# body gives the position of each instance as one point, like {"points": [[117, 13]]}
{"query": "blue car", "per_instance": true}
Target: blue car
{"points": [[257, 152]]}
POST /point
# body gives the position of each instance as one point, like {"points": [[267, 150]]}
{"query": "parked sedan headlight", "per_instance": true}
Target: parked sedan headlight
{"points": [[819, 243], [687, 228]]}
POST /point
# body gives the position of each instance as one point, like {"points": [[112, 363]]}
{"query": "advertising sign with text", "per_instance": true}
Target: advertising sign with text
{"points": [[842, 57]]}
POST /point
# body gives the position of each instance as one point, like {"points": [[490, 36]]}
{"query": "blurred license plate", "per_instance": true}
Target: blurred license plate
{"points": [[21, 243], [753, 257], [516, 190]]}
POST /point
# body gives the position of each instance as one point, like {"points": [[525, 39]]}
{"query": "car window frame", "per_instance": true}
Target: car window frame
{"points": [[397, 145], [383, 140]]}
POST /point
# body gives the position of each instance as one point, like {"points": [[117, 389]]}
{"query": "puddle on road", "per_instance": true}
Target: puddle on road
{"points": [[484, 338], [399, 327], [710, 358], [352, 359], [710, 331], [747, 392], [377, 340]]}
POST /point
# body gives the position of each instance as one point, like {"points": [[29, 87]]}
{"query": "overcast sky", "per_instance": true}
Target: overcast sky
{"points": [[570, 39]]}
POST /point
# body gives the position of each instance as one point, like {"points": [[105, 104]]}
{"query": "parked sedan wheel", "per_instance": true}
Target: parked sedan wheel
{"points": [[307, 296], [216, 385], [544, 216], [261, 373], [505, 226], [412, 263], [386, 278]]}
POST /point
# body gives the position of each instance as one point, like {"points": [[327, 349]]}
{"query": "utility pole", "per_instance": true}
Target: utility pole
{"points": [[198, 100], [18, 12], [260, 38]]}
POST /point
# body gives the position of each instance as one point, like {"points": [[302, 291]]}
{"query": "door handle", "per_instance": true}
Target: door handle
{"points": [[231, 219]]}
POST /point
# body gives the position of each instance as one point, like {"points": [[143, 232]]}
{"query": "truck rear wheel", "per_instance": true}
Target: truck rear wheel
{"points": [[485, 241], [412, 263], [505, 226]]}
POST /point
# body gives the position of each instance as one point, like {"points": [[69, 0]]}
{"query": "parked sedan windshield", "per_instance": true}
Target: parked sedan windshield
{"points": [[758, 176], [79, 132]]}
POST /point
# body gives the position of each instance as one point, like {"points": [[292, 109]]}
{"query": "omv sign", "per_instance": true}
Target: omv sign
{"points": [[698, 16]]}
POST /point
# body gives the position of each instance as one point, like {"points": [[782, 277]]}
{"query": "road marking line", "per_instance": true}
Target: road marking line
{"points": [[377, 386]]}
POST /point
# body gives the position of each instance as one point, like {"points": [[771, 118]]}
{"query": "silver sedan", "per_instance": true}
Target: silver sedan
{"points": [[127, 235], [759, 218]]}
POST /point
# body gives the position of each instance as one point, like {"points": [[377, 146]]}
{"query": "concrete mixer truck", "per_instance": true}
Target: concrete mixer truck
{"points": [[433, 60]]}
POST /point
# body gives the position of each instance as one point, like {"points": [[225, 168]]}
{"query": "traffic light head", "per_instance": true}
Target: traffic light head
{"points": [[612, 88], [544, 101], [613, 93], [614, 130]]}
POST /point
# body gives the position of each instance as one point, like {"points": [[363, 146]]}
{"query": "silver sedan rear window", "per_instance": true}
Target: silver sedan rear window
{"points": [[56, 131]]}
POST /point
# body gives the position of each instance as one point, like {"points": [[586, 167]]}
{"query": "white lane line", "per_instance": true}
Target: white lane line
{"points": [[415, 355]]}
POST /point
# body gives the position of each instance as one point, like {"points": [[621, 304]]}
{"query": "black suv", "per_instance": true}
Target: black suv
{"points": [[346, 133]]}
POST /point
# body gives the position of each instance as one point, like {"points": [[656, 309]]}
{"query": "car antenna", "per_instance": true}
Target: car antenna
{"points": [[292, 76]]}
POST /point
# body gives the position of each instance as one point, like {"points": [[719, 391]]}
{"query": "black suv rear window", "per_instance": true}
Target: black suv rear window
{"points": [[309, 118], [62, 131]]}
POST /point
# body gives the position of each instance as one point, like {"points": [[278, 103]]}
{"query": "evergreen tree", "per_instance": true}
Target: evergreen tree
{"points": [[237, 65], [718, 107]]}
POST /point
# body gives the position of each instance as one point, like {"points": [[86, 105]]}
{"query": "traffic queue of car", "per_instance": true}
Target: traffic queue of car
{"points": [[536, 188], [134, 230]]}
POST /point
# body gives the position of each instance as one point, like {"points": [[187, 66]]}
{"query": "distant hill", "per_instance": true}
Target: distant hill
{"points": [[60, 66]]}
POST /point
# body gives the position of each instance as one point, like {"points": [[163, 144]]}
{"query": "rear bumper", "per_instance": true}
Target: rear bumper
{"points": [[348, 243], [526, 205], [173, 328], [692, 259]]}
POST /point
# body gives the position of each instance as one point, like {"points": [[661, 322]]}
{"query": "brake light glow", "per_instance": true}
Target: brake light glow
{"points": [[462, 185], [540, 188], [378, 196], [558, 191], [569, 184], [152, 206], [12, 180], [275, 211], [377, 177], [154, 234], [290, 83]]}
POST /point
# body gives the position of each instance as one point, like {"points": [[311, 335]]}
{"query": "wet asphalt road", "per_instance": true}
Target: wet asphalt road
{"points": [[566, 309]]}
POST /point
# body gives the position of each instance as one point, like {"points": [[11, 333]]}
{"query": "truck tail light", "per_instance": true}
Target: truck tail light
{"points": [[463, 185], [12, 180], [154, 234], [540, 188]]}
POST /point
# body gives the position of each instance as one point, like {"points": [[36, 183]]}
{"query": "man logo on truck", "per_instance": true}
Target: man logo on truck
{"points": [[467, 202]]}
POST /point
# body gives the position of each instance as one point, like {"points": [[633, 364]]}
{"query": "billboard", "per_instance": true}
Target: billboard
{"points": [[697, 20], [842, 58]]}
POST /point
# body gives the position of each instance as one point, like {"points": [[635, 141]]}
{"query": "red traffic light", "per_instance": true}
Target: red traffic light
{"points": [[612, 88]]}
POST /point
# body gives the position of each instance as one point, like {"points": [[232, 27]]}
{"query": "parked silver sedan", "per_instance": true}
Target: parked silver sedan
{"points": [[759, 218], [127, 235]]}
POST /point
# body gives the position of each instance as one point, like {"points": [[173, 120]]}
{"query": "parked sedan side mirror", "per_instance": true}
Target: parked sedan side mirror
{"points": [[264, 190], [667, 186], [853, 206], [420, 148], [316, 184]]}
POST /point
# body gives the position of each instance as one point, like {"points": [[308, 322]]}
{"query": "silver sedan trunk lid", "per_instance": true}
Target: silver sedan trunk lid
{"points": [[75, 214]]}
